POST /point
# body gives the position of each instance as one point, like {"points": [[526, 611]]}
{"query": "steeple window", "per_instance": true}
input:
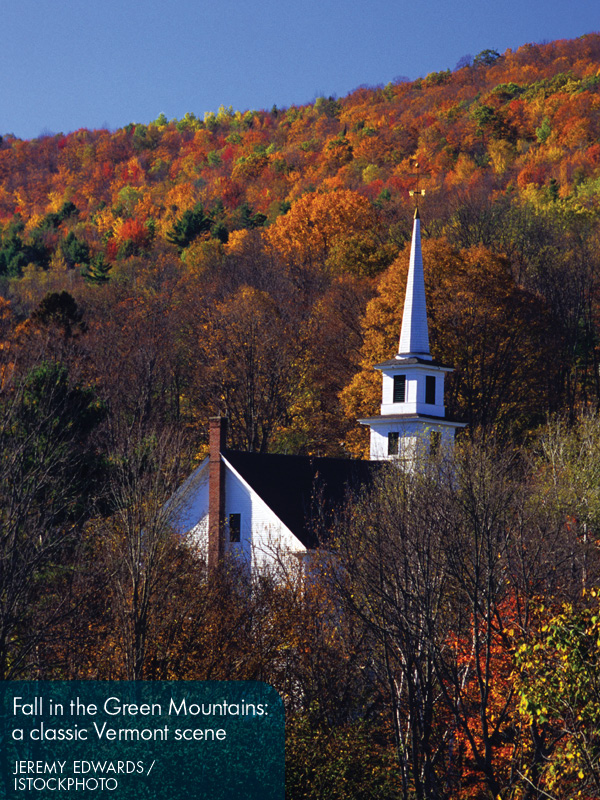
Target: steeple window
{"points": [[393, 441], [430, 389], [399, 388]]}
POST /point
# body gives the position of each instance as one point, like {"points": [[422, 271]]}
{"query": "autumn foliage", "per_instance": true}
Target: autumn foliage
{"points": [[254, 264]]}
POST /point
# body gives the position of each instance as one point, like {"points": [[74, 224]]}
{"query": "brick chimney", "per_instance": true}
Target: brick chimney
{"points": [[216, 489]]}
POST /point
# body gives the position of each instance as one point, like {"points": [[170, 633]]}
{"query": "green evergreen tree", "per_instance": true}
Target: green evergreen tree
{"points": [[192, 224], [75, 251], [96, 272]]}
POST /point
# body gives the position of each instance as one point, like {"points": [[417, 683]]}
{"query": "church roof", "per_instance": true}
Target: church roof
{"points": [[414, 417], [401, 362], [303, 491]]}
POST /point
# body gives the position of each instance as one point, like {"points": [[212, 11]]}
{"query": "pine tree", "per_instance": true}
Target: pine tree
{"points": [[97, 270]]}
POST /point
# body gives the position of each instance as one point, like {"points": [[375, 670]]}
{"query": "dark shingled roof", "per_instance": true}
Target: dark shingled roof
{"points": [[413, 417], [301, 490], [402, 362]]}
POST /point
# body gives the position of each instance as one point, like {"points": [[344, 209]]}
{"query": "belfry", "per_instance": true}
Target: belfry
{"points": [[412, 418]]}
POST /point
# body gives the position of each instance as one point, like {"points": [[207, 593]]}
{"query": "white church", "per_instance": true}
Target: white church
{"points": [[261, 506]]}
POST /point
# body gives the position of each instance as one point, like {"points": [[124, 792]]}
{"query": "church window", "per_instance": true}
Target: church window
{"points": [[235, 527], [430, 389], [434, 442], [393, 440], [399, 388]]}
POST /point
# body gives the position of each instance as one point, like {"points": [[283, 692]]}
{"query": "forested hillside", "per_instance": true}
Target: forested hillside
{"points": [[193, 232], [253, 263]]}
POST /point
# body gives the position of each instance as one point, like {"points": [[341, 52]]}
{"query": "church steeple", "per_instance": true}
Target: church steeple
{"points": [[412, 415], [414, 335]]}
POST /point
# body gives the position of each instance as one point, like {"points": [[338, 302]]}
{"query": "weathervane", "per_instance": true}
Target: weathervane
{"points": [[416, 192]]}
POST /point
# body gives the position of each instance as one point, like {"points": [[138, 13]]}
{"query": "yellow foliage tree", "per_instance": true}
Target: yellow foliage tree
{"points": [[317, 223]]}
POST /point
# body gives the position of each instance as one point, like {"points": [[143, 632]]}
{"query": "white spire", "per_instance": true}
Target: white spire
{"points": [[414, 337]]}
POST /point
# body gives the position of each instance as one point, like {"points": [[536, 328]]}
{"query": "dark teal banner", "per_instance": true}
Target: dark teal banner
{"points": [[145, 740]]}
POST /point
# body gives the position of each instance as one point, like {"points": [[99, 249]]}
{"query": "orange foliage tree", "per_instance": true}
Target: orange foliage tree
{"points": [[481, 323], [317, 223]]}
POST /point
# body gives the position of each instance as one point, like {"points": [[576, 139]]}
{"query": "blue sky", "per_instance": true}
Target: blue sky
{"points": [[68, 64]]}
